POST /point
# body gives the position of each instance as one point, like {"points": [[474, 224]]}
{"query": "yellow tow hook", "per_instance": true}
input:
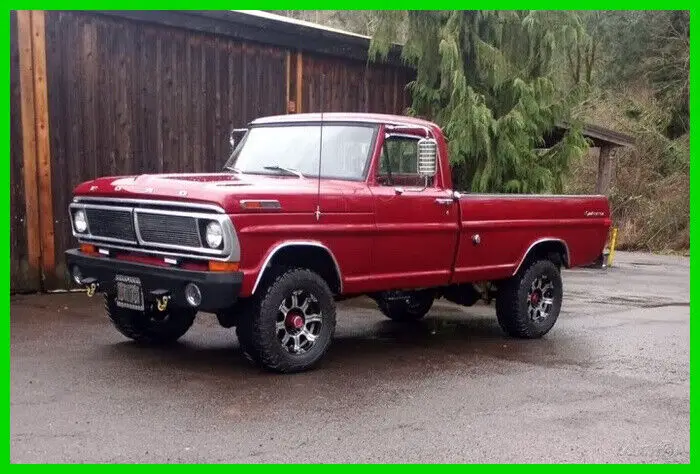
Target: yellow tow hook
{"points": [[162, 302], [91, 290]]}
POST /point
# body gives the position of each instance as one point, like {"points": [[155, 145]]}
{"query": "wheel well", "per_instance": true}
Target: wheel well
{"points": [[312, 257], [554, 250]]}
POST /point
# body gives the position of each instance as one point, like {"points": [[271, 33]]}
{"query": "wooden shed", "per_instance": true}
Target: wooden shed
{"points": [[109, 93]]}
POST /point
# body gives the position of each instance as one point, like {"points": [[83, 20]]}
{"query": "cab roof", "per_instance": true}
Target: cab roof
{"points": [[344, 117]]}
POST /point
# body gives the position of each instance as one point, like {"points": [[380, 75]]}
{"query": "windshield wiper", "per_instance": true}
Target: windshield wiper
{"points": [[288, 170], [234, 169]]}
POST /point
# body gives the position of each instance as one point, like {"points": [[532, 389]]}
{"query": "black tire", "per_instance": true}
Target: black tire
{"points": [[409, 307], [517, 313], [244, 331], [260, 336], [150, 327]]}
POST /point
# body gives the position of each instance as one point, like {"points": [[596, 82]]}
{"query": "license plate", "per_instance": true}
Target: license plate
{"points": [[129, 292]]}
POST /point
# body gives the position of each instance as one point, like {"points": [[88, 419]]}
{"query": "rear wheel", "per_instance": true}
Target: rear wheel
{"points": [[528, 304], [150, 326], [405, 306], [289, 326]]}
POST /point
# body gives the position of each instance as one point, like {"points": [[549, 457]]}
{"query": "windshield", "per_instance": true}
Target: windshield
{"points": [[293, 149]]}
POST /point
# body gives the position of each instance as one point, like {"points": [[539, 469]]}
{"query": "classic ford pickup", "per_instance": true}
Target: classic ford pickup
{"points": [[311, 209]]}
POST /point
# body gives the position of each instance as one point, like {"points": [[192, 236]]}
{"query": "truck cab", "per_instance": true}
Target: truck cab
{"points": [[309, 209]]}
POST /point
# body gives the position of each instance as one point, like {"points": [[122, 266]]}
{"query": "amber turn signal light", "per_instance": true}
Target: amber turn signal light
{"points": [[88, 248], [260, 204], [216, 266]]}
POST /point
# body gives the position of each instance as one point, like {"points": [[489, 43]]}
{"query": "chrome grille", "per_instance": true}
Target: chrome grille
{"points": [[111, 223], [155, 227], [168, 229]]}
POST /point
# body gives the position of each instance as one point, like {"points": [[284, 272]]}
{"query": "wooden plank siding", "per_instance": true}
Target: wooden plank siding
{"points": [[24, 244], [128, 98], [353, 86], [43, 152], [150, 92]]}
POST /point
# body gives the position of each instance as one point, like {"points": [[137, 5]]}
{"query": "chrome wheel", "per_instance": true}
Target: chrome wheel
{"points": [[298, 322], [540, 299]]}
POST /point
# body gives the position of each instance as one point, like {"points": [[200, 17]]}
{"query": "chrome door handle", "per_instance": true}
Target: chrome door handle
{"points": [[444, 201]]}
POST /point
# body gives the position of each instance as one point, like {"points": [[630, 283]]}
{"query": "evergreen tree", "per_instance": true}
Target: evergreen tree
{"points": [[648, 49], [486, 77]]}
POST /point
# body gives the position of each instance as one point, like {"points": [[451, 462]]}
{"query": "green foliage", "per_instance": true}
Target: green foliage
{"points": [[646, 49], [650, 197], [487, 78], [641, 86], [356, 21], [581, 48]]}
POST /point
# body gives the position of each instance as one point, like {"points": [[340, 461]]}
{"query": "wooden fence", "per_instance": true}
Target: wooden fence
{"points": [[96, 94]]}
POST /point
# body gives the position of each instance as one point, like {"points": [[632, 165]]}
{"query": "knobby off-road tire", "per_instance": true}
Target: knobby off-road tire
{"points": [[244, 330], [288, 326], [150, 327], [528, 304], [411, 308]]}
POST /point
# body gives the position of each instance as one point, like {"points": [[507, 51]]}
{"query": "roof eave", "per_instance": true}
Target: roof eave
{"points": [[602, 134], [264, 29]]}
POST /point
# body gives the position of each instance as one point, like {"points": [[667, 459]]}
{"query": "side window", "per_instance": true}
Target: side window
{"points": [[398, 162]]}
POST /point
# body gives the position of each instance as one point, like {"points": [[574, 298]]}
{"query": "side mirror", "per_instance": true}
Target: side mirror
{"points": [[427, 157]]}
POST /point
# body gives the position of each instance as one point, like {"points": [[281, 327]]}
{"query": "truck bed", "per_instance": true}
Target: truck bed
{"points": [[506, 226]]}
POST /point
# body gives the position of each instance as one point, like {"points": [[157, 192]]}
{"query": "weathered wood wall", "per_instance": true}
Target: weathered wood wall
{"points": [[23, 277], [353, 86], [129, 96], [144, 98]]}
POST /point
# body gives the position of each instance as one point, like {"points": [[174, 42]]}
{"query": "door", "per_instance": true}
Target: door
{"points": [[416, 221]]}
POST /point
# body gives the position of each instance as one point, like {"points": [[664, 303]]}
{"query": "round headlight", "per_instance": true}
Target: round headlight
{"points": [[214, 234], [80, 221]]}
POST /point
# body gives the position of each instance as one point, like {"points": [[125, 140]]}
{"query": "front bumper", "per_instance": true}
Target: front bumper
{"points": [[219, 290]]}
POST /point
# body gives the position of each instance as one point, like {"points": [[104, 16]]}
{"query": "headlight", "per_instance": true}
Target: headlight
{"points": [[214, 234], [80, 221]]}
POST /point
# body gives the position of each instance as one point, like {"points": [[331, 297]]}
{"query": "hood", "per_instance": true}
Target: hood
{"points": [[225, 190]]}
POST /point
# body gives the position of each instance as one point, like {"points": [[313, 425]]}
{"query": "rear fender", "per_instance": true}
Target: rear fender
{"points": [[545, 246]]}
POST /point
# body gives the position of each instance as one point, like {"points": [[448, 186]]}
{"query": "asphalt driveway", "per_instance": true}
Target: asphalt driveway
{"points": [[610, 383]]}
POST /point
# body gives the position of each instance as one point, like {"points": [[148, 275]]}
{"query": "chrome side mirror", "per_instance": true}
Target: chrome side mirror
{"points": [[427, 157]]}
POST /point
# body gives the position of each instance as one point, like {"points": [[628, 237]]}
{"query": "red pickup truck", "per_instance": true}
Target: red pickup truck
{"points": [[311, 209]]}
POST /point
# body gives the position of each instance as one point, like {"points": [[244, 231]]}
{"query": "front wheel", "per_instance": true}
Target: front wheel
{"points": [[290, 325], [151, 326], [528, 304]]}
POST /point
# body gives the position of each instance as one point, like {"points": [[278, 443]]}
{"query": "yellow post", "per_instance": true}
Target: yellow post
{"points": [[613, 241]]}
